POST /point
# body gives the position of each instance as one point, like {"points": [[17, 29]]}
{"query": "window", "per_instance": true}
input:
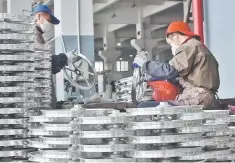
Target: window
{"points": [[122, 66], [99, 66]]}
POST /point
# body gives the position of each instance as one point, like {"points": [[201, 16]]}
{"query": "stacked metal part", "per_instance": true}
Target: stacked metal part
{"points": [[102, 136], [17, 90], [160, 131], [217, 141], [123, 90], [54, 130]]}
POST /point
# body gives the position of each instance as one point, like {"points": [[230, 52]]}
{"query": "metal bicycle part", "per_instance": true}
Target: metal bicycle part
{"points": [[80, 72], [138, 86]]}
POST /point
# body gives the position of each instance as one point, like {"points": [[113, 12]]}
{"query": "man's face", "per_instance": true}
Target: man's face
{"points": [[173, 39], [42, 17]]}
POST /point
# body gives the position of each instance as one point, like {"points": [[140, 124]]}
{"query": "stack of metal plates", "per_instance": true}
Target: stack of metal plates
{"points": [[102, 136], [53, 128], [123, 90], [17, 90], [160, 131], [217, 141]]}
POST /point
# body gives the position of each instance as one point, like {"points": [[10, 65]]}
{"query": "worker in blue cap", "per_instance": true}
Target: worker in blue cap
{"points": [[45, 20]]}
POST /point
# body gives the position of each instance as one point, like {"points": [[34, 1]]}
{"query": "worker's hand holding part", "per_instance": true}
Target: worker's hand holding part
{"points": [[59, 62], [140, 59]]}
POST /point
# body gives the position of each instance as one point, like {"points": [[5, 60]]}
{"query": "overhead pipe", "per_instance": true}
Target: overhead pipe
{"points": [[198, 18]]}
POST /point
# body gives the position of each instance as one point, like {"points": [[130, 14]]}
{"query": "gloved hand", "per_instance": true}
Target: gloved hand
{"points": [[140, 59], [58, 62]]}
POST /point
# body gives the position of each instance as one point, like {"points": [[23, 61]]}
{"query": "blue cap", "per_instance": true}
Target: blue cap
{"points": [[46, 9]]}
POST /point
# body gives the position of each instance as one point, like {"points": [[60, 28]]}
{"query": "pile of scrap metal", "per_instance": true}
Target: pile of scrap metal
{"points": [[123, 91]]}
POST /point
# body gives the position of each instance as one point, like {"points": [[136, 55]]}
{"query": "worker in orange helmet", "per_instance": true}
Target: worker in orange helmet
{"points": [[192, 63]]}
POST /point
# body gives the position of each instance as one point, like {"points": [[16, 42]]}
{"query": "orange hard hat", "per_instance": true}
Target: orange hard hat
{"points": [[181, 27]]}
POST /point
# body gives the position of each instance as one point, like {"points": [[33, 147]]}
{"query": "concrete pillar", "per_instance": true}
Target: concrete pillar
{"points": [[143, 34], [66, 33], [219, 27], [16, 7], [86, 32]]}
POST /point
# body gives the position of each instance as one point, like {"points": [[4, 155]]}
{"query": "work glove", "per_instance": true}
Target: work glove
{"points": [[59, 62], [140, 59]]}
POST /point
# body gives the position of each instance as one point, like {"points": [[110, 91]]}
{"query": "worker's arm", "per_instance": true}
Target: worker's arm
{"points": [[58, 62], [184, 60], [160, 71]]}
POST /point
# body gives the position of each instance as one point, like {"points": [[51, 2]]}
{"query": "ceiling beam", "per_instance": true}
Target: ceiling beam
{"points": [[152, 9], [100, 1], [97, 7], [114, 27], [126, 16]]}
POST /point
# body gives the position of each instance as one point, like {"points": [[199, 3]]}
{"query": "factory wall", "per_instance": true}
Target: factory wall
{"points": [[219, 36]]}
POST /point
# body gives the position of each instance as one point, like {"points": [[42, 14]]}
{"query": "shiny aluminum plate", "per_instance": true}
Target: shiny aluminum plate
{"points": [[165, 110], [43, 65], [42, 119], [202, 129], [224, 120], [42, 132], [115, 133], [57, 127], [232, 118], [218, 155], [211, 114], [17, 37], [54, 140], [22, 67], [37, 74], [42, 145], [36, 84], [179, 152], [37, 157], [15, 18], [33, 105], [24, 47], [19, 58], [165, 138], [104, 148], [11, 143], [11, 132], [16, 28], [16, 78], [6, 111], [115, 160], [98, 112], [222, 141], [104, 120], [42, 56], [60, 113], [56, 154], [17, 89], [15, 153], [9, 100], [16, 161], [21, 121], [165, 124]]}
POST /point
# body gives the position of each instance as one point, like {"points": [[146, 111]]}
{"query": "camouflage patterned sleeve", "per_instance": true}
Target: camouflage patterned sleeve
{"points": [[183, 61]]}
